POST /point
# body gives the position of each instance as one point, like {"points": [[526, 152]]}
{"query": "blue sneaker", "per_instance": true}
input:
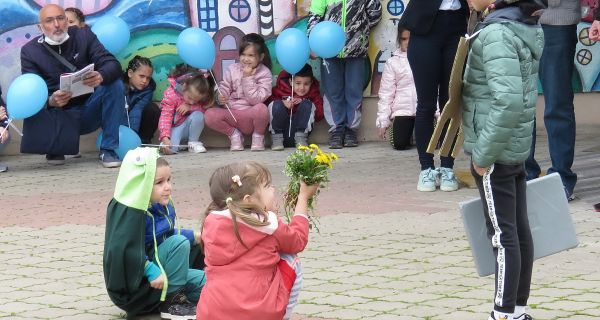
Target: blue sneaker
{"points": [[448, 180], [427, 180], [109, 159]]}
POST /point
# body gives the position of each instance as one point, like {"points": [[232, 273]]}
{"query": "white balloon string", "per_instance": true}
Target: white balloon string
{"points": [[219, 90], [291, 108], [326, 66], [12, 124], [127, 113]]}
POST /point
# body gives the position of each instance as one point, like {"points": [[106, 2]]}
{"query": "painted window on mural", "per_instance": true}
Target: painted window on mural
{"points": [[208, 15], [239, 10], [395, 7]]}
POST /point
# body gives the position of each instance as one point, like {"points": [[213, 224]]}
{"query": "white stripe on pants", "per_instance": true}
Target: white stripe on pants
{"points": [[294, 262]]}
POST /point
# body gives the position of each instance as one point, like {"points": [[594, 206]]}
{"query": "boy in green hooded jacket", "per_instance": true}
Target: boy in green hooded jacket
{"points": [[149, 263]]}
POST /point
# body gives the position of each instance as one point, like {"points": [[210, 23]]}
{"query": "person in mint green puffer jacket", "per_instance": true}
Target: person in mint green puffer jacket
{"points": [[499, 98]]}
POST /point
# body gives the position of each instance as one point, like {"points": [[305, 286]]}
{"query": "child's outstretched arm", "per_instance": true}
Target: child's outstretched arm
{"points": [[293, 238]]}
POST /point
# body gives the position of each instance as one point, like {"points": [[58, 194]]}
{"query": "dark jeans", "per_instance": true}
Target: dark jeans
{"points": [[343, 86], [104, 109], [503, 192], [302, 119], [556, 68], [150, 117], [431, 57]]}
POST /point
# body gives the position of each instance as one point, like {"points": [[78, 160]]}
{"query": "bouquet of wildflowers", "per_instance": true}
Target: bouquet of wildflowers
{"points": [[310, 165]]}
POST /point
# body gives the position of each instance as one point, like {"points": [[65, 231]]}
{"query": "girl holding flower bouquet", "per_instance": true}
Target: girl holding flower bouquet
{"points": [[249, 251]]}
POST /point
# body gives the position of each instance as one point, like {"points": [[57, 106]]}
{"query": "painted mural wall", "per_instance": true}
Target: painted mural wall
{"points": [[155, 24]]}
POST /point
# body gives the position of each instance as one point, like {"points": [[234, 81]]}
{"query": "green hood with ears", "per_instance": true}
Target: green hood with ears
{"points": [[136, 178]]}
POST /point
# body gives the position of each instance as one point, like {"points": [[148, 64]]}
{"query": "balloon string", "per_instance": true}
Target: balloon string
{"points": [[5, 129], [219, 90], [164, 145], [127, 113], [291, 108], [326, 66], [12, 124]]}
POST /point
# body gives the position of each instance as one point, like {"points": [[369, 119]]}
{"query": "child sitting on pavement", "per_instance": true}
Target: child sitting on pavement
{"points": [[190, 94], [244, 244], [150, 263], [306, 104]]}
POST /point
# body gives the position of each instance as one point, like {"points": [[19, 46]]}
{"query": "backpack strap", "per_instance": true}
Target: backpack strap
{"points": [[60, 58]]}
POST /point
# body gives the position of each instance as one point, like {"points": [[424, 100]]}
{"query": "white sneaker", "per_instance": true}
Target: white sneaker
{"points": [[196, 147]]}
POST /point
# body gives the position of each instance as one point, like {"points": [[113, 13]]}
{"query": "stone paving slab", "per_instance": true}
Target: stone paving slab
{"points": [[385, 251]]}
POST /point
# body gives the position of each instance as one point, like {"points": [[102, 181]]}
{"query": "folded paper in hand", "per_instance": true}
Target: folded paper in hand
{"points": [[73, 82]]}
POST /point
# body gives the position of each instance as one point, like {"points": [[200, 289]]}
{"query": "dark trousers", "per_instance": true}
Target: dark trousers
{"points": [[556, 68], [402, 132], [104, 109], [343, 83], [302, 119], [503, 192], [150, 117], [431, 57]]}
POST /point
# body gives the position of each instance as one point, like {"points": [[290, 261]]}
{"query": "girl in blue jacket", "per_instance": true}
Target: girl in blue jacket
{"points": [[142, 113]]}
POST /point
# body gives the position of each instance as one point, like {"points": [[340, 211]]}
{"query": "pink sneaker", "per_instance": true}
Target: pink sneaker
{"points": [[258, 142], [237, 141]]}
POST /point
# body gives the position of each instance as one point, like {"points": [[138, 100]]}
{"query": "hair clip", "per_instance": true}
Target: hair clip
{"points": [[228, 200], [237, 180]]}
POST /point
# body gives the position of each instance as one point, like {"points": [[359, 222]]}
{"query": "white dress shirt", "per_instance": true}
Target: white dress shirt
{"points": [[449, 5]]}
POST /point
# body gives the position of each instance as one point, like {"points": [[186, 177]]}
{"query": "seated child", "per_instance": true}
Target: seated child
{"points": [[397, 96], [149, 262], [3, 126], [143, 114], [190, 93], [306, 104], [244, 242], [244, 88]]}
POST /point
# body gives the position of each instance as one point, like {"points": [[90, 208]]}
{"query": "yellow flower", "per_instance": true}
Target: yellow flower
{"points": [[313, 146], [322, 158], [333, 156], [303, 148]]}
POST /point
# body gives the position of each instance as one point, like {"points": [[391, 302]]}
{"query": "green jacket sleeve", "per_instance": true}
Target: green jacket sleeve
{"points": [[503, 75]]}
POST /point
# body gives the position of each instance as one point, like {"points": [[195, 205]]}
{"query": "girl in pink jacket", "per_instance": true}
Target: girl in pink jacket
{"points": [[184, 102], [245, 87], [397, 96], [249, 276]]}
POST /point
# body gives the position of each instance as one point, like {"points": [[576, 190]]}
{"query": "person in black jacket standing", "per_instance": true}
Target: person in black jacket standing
{"points": [[105, 107], [435, 29], [3, 126]]}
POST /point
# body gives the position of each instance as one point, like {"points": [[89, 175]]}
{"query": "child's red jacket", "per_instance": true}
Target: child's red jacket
{"points": [[283, 90]]}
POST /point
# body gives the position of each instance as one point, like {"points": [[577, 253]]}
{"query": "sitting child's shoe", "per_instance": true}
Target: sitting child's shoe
{"points": [[336, 140], [258, 142], [109, 159], [350, 138], [301, 139], [177, 306], [196, 147], [277, 142], [523, 316], [502, 316], [448, 180], [237, 141], [427, 180]]}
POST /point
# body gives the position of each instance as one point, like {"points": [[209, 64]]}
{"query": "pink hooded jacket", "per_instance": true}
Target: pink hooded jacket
{"points": [[246, 282], [169, 104], [245, 92], [397, 93]]}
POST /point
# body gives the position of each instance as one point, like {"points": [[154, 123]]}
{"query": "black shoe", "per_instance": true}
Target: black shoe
{"points": [[350, 139], [336, 140], [177, 306], [597, 207], [55, 159]]}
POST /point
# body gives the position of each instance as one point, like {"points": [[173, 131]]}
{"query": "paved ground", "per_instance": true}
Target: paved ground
{"points": [[385, 251]]}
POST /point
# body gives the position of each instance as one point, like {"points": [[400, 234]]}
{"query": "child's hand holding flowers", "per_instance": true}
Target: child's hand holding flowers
{"points": [[310, 165]]}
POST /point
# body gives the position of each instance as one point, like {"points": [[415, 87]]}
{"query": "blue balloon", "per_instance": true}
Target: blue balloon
{"points": [[327, 39], [128, 140], [292, 50], [26, 96], [112, 32], [196, 48]]}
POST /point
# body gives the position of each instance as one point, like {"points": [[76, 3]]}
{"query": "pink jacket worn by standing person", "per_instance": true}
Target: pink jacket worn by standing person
{"points": [[245, 282], [397, 92], [168, 114], [246, 92]]}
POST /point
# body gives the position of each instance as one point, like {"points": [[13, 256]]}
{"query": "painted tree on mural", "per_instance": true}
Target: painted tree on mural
{"points": [[155, 25]]}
